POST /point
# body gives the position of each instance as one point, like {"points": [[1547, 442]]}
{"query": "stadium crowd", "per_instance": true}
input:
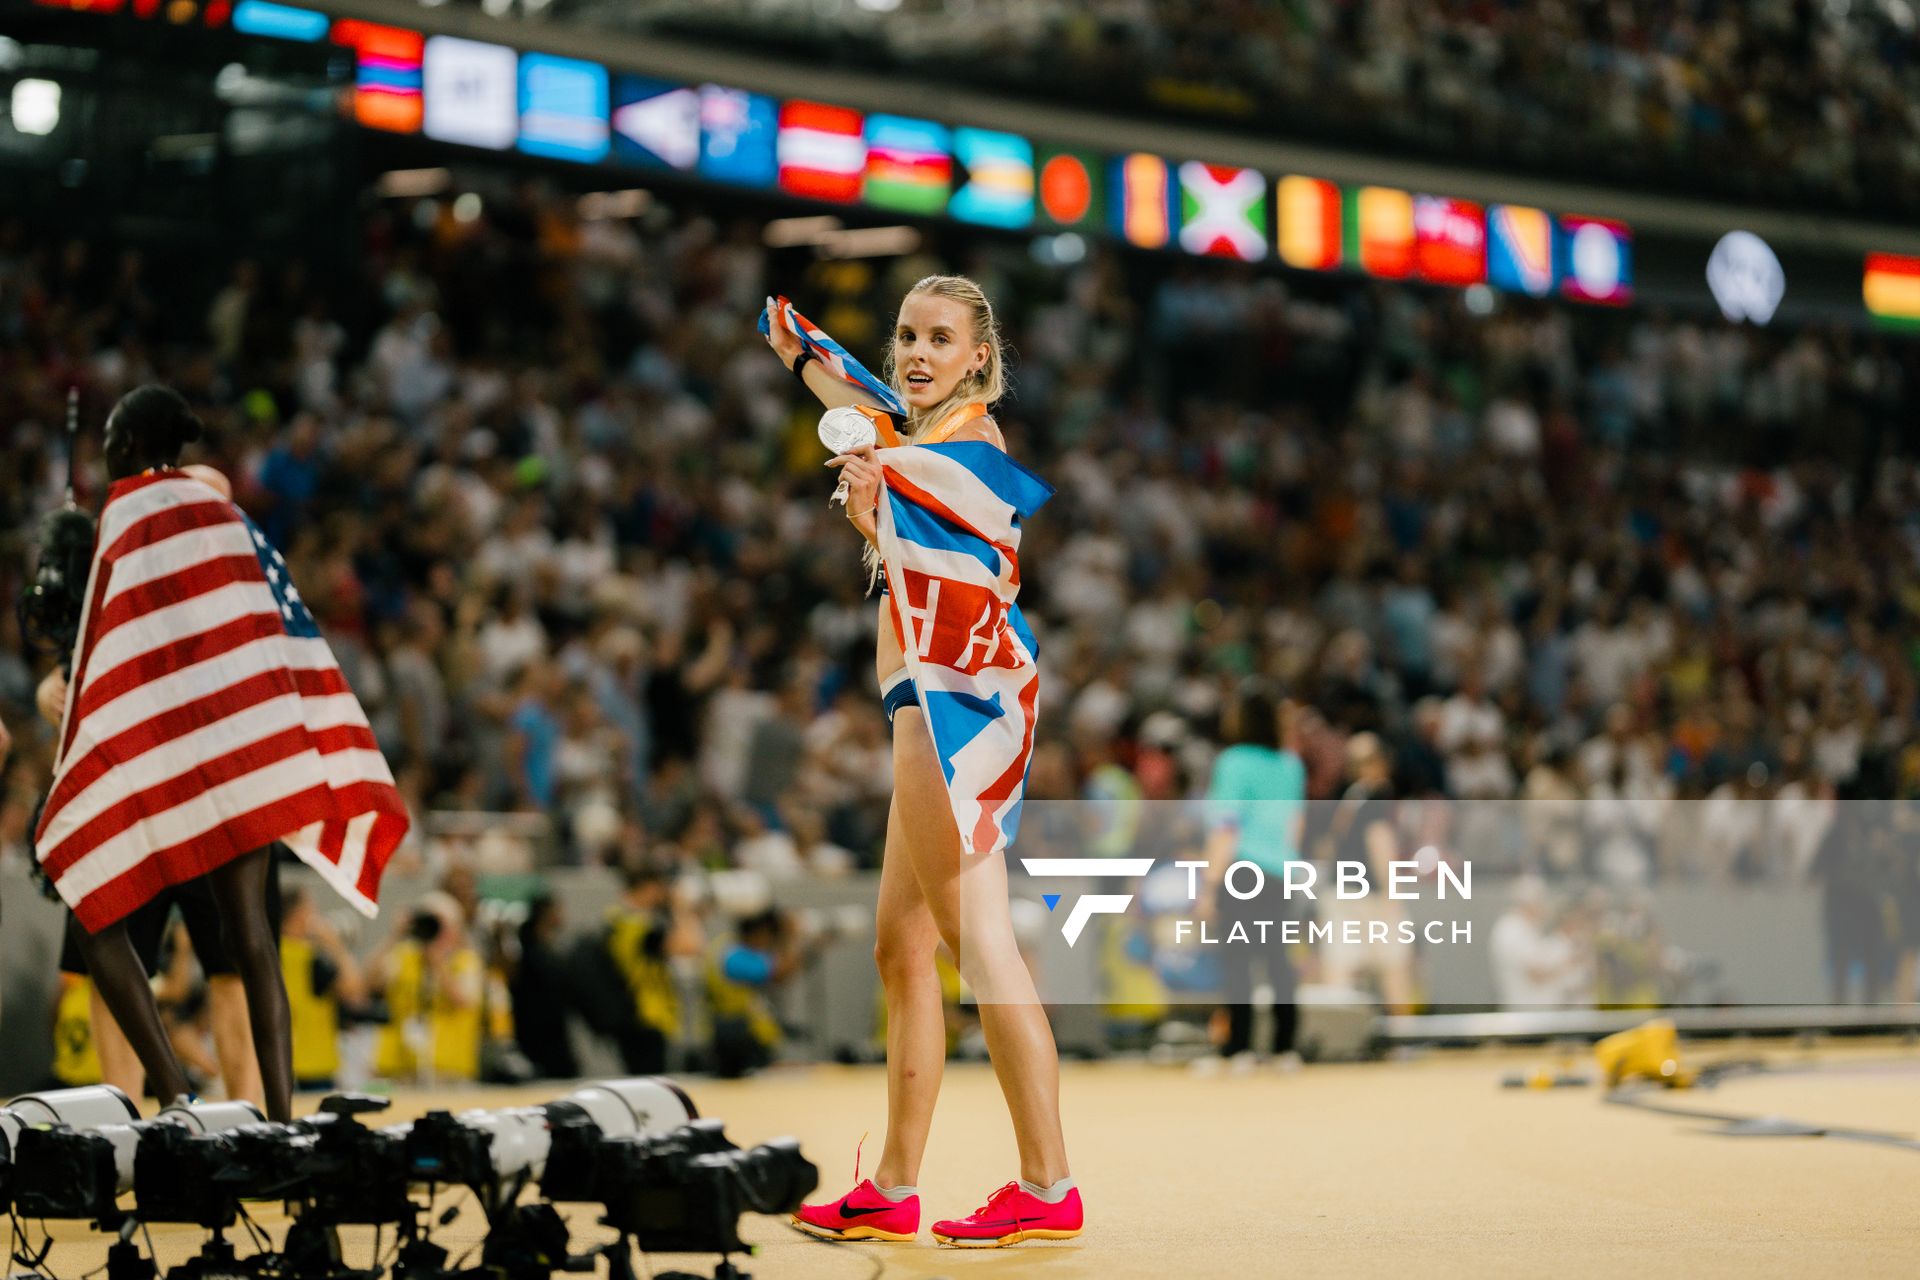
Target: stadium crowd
{"points": [[1803, 100], [564, 521]]}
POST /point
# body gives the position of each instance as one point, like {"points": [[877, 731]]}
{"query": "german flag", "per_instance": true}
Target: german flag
{"points": [[1891, 289]]}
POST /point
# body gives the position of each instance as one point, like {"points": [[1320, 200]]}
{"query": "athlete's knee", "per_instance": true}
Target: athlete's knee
{"points": [[957, 931], [903, 954], [250, 944]]}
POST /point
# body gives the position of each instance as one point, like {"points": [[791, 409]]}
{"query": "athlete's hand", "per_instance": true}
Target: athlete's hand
{"points": [[52, 697], [210, 477], [784, 341], [862, 476]]}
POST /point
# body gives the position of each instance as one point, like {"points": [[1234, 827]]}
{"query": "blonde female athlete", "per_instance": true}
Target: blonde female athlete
{"points": [[945, 364]]}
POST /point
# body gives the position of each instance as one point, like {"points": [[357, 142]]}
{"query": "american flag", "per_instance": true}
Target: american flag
{"points": [[834, 358], [949, 531], [205, 716]]}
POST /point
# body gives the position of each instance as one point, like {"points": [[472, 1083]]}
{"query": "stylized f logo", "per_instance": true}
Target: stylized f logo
{"points": [[1093, 904]]}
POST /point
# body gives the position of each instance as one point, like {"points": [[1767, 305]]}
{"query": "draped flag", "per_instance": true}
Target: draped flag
{"points": [[949, 528], [834, 358], [205, 716]]}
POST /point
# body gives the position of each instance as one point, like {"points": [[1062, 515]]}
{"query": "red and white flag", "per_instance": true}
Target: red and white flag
{"points": [[822, 151], [205, 717]]}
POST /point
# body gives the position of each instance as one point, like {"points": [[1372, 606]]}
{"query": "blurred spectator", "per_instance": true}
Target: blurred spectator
{"points": [[1623, 812], [581, 567], [1533, 960], [322, 977], [422, 711], [433, 981], [1858, 869], [1256, 808], [75, 1061], [743, 976], [647, 932], [1631, 956], [533, 736], [542, 994], [1362, 832]]}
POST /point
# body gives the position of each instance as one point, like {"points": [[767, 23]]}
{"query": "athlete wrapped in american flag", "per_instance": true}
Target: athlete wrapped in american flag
{"points": [[205, 719]]}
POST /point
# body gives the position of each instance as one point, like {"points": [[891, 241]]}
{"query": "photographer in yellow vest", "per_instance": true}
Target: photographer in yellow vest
{"points": [[742, 975], [645, 933], [433, 980], [75, 1060], [321, 976]]}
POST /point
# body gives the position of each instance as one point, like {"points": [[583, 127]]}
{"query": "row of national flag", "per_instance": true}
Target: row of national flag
{"points": [[990, 178], [999, 179], [1401, 235], [491, 96]]}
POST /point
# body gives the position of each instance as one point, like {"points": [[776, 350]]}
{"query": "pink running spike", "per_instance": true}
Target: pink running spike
{"points": [[1010, 1216], [861, 1214]]}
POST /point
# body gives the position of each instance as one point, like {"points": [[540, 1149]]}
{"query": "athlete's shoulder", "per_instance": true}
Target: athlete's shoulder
{"points": [[985, 429]]}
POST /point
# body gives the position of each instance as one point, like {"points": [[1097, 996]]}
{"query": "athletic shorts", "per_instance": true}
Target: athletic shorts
{"points": [[147, 926]]}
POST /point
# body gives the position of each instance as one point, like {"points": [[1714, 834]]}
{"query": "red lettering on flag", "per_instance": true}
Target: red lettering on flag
{"points": [[956, 624]]}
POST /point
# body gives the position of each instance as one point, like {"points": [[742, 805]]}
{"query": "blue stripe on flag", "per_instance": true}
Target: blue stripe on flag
{"points": [[404, 80], [1010, 820], [1010, 482], [916, 524], [955, 720], [1018, 621]]}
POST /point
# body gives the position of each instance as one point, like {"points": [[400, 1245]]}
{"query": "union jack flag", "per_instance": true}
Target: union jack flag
{"points": [[834, 358], [949, 527], [205, 716]]}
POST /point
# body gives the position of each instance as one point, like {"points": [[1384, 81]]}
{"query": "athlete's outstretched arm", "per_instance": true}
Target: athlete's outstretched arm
{"points": [[829, 390]]}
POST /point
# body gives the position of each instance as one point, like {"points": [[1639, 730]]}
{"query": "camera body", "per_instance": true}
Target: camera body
{"points": [[681, 1192], [82, 1151], [50, 606], [65, 1173], [425, 927], [356, 1175], [667, 1180], [340, 1170], [201, 1178], [441, 1148]]}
